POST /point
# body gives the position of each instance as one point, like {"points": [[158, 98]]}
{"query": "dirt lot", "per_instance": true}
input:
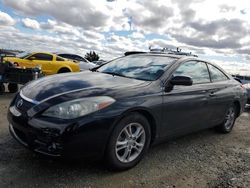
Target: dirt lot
{"points": [[204, 159]]}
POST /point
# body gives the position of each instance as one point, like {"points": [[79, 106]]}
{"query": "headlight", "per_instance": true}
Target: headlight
{"points": [[79, 107]]}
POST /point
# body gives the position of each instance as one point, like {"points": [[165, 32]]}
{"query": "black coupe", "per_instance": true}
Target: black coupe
{"points": [[118, 110]]}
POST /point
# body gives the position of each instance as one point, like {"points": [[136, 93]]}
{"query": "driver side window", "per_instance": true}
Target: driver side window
{"points": [[194, 69], [42, 57]]}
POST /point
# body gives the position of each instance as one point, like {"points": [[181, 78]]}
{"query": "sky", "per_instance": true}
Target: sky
{"points": [[215, 30]]}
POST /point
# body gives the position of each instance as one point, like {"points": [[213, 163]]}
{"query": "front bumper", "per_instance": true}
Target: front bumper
{"points": [[30, 141], [85, 138]]}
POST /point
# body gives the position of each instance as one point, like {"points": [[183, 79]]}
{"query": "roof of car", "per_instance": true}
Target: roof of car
{"points": [[167, 52], [178, 57], [178, 53], [67, 54], [164, 54], [49, 53]]}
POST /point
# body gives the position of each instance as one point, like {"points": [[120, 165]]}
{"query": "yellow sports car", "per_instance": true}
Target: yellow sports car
{"points": [[50, 63]]}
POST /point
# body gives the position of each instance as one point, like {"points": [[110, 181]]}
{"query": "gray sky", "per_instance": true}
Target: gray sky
{"points": [[217, 30]]}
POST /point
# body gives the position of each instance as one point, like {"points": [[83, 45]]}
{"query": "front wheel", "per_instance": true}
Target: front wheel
{"points": [[229, 120], [129, 142]]}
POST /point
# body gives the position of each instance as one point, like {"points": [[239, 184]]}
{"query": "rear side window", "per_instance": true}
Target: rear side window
{"points": [[77, 58], [43, 57], [216, 74], [196, 70], [59, 59], [73, 57], [82, 59]]}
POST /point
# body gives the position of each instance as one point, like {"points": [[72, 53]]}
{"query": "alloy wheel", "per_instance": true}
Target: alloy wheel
{"points": [[130, 142], [230, 117]]}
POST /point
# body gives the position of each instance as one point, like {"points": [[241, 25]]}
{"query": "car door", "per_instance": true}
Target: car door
{"points": [[185, 107], [44, 60], [221, 93]]}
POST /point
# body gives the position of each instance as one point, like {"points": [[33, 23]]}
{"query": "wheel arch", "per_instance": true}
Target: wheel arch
{"points": [[64, 68], [238, 107], [147, 114]]}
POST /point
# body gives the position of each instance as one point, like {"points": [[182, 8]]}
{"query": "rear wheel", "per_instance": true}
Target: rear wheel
{"points": [[229, 120], [129, 142], [63, 70]]}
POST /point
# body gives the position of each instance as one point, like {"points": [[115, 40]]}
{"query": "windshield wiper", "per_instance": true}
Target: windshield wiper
{"points": [[94, 69], [115, 74]]}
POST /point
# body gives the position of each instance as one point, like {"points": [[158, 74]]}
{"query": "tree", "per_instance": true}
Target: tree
{"points": [[92, 56]]}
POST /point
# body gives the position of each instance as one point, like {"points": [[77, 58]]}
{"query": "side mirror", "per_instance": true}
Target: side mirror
{"points": [[32, 58], [181, 80]]}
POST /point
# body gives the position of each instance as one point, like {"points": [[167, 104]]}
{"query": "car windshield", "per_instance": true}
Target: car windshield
{"points": [[141, 67], [23, 55]]}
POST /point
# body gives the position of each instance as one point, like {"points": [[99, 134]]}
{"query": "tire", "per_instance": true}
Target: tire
{"points": [[2, 88], [16, 64], [125, 150], [229, 120], [13, 88], [63, 70]]}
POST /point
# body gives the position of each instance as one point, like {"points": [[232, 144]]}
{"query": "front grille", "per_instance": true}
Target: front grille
{"points": [[25, 104], [28, 139]]}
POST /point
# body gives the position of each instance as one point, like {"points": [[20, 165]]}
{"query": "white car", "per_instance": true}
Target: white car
{"points": [[247, 86], [84, 64]]}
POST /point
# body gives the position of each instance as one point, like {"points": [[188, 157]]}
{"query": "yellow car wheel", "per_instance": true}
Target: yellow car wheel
{"points": [[63, 70]]}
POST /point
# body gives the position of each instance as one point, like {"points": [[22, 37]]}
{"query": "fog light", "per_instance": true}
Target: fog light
{"points": [[52, 147]]}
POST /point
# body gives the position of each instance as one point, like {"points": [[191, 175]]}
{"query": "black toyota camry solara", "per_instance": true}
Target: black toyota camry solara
{"points": [[117, 111]]}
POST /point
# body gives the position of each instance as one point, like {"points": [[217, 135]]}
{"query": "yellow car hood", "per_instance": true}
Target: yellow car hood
{"points": [[12, 59]]}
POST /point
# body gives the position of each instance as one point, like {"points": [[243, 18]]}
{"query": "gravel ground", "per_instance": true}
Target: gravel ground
{"points": [[203, 159]]}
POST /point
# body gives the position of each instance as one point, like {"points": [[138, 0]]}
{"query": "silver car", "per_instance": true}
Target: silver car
{"points": [[247, 86]]}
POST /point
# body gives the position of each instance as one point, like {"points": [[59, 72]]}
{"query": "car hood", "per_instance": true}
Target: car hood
{"points": [[11, 59], [60, 84]]}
